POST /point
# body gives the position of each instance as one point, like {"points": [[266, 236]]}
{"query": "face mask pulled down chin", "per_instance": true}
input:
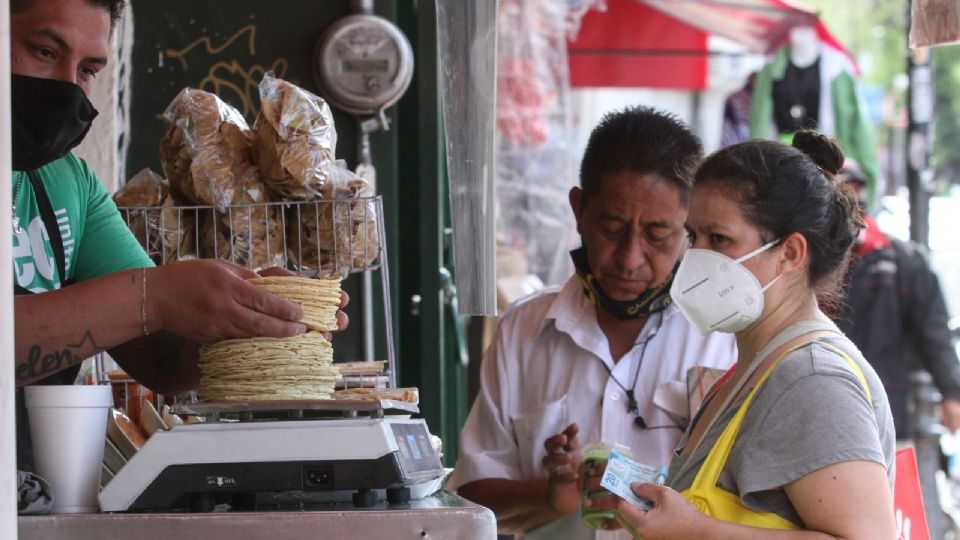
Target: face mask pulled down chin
{"points": [[716, 293], [649, 301], [48, 118]]}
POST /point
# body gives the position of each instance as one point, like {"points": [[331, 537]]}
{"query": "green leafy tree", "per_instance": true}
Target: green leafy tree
{"points": [[946, 158], [875, 31]]}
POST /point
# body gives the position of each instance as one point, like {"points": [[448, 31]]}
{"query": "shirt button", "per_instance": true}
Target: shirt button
{"points": [[615, 396]]}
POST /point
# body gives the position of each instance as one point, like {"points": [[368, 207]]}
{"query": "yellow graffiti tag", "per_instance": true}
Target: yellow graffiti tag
{"points": [[180, 54], [231, 76], [243, 82]]}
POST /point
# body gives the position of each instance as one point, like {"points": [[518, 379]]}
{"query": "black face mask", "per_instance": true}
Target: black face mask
{"points": [[649, 301], [49, 118]]}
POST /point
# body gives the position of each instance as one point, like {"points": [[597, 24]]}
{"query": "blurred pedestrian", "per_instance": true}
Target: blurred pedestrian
{"points": [[895, 313]]}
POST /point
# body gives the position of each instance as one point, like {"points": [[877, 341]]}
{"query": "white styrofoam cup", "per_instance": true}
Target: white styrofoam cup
{"points": [[68, 425]]}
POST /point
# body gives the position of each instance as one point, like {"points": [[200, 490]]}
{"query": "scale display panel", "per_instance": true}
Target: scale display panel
{"points": [[417, 455]]}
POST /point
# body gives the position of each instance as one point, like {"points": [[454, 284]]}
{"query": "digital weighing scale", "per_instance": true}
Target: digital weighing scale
{"points": [[277, 447]]}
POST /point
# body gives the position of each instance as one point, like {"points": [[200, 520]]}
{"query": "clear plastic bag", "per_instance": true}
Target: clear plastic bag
{"points": [[145, 190], [295, 139], [535, 163], [339, 232], [246, 233], [176, 228], [208, 149]]}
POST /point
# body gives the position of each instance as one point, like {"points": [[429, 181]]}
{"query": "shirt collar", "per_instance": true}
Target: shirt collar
{"points": [[574, 315]]}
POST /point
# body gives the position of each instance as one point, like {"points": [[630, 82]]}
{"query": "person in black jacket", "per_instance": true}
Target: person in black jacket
{"points": [[895, 313]]}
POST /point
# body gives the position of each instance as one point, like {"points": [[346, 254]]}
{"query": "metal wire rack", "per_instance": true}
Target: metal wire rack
{"points": [[322, 238]]}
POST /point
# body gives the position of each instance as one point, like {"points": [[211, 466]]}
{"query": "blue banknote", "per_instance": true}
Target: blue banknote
{"points": [[623, 471]]}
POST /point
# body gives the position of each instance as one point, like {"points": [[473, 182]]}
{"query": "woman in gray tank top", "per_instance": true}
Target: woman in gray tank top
{"points": [[799, 435]]}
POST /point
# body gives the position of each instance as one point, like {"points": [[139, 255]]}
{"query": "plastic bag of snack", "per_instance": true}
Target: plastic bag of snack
{"points": [[295, 139], [139, 201], [337, 233], [176, 228], [207, 148], [248, 233], [146, 189]]}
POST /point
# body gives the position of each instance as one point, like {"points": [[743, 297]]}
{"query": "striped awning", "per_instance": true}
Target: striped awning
{"points": [[664, 43], [761, 25]]}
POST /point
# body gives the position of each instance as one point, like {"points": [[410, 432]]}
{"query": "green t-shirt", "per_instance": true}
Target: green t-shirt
{"points": [[96, 241]]}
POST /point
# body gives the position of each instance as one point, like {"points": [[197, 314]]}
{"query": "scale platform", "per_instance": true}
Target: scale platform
{"points": [[295, 410], [277, 447]]}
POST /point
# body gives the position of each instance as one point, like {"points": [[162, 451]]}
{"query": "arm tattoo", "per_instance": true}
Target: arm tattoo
{"points": [[40, 363]]}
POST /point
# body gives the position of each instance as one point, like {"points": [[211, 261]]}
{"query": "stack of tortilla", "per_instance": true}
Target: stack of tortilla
{"points": [[319, 298], [271, 369]]}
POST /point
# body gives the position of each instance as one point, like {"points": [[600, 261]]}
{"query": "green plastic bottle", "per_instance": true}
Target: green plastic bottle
{"points": [[595, 457]]}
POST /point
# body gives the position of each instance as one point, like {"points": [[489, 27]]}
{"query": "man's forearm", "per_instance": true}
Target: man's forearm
{"points": [[58, 329], [520, 505], [161, 361]]}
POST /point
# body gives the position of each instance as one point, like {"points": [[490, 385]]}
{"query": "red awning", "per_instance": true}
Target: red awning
{"points": [[663, 43], [633, 45]]}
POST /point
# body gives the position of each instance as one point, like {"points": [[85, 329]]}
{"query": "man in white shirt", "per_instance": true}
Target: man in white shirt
{"points": [[605, 356]]}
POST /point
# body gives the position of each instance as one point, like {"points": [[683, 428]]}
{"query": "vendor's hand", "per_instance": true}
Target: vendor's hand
{"points": [[672, 516], [210, 300], [950, 414], [342, 319], [564, 467]]}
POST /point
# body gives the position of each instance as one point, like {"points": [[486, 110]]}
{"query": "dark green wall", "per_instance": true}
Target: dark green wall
{"points": [[224, 47]]}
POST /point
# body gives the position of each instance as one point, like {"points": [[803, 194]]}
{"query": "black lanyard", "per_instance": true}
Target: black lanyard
{"points": [[632, 405], [49, 219]]}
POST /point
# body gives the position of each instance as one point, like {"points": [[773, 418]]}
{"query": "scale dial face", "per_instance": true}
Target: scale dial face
{"points": [[364, 64]]}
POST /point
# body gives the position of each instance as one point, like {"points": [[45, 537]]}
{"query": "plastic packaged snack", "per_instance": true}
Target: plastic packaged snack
{"points": [[338, 233], [295, 139], [207, 150], [247, 233], [140, 198]]}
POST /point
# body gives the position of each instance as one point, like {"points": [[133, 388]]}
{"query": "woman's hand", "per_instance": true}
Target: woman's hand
{"points": [[672, 517]]}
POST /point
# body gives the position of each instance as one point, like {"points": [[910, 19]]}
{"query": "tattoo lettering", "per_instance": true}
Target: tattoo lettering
{"points": [[40, 363]]}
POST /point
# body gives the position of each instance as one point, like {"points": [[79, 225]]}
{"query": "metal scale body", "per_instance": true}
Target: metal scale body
{"points": [[296, 448]]}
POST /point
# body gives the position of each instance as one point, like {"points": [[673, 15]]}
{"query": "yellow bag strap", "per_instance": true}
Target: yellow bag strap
{"points": [[709, 473]]}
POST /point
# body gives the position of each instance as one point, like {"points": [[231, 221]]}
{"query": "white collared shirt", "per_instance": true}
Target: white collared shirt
{"points": [[545, 370]]}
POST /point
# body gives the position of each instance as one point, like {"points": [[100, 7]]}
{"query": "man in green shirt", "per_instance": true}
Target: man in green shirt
{"points": [[98, 288]]}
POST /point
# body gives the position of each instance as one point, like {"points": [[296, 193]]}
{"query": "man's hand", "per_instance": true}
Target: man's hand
{"points": [[950, 414], [342, 319], [564, 466], [210, 300]]}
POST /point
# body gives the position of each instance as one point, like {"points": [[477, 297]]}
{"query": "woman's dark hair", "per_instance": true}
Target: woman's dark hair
{"points": [[786, 189]]}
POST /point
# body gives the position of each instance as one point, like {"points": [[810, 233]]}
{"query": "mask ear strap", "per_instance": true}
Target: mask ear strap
{"points": [[757, 251], [768, 285]]}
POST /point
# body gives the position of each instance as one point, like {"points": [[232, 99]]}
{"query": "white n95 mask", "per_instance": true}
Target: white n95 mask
{"points": [[716, 293]]}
